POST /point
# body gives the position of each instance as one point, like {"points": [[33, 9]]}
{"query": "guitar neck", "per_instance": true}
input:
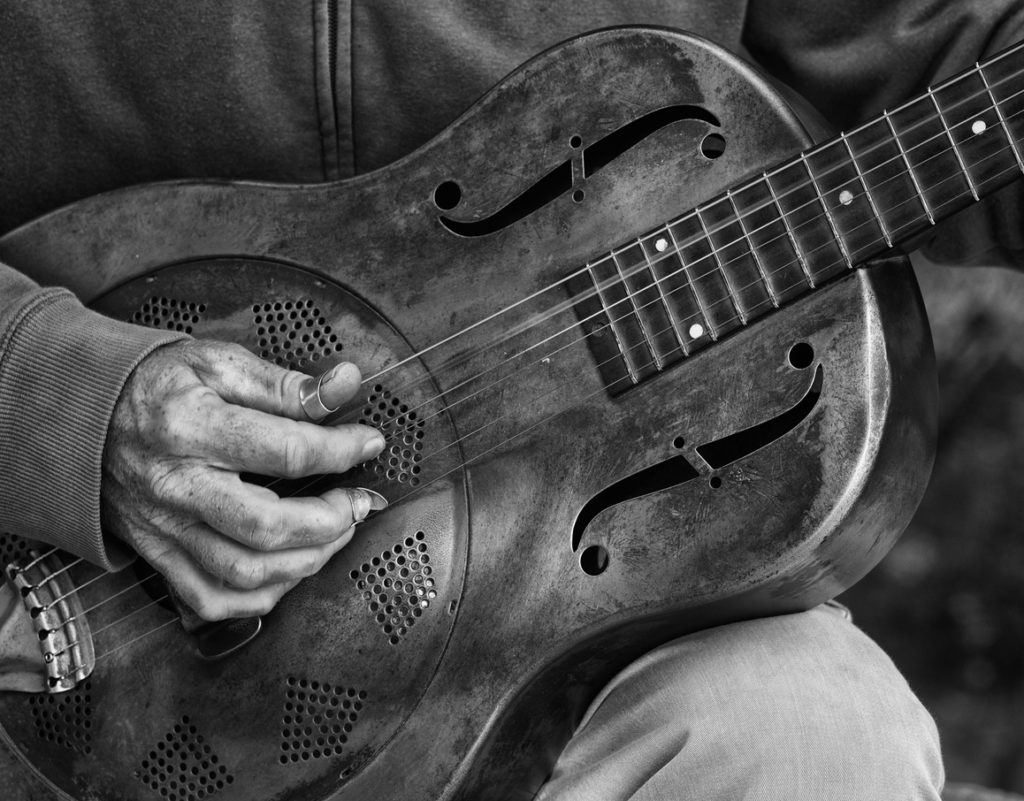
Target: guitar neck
{"points": [[817, 215]]}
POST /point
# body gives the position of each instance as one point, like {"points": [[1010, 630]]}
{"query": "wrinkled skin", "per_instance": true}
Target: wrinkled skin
{"points": [[192, 417]]}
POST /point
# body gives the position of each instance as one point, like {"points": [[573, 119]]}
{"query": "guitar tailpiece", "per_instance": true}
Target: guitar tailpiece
{"points": [[52, 602]]}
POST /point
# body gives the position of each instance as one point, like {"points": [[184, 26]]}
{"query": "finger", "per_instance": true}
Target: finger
{"points": [[258, 518], [208, 595], [243, 568], [251, 441], [241, 378], [339, 384]]}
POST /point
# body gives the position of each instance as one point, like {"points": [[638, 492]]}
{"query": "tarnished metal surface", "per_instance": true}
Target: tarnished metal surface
{"points": [[50, 600], [484, 696]]}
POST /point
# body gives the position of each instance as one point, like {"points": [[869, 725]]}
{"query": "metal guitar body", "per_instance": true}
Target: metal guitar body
{"points": [[544, 530]]}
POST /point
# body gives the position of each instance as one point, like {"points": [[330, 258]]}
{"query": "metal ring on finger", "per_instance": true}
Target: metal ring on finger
{"points": [[312, 401]]}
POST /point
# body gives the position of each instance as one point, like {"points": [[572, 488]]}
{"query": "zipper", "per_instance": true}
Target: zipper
{"points": [[332, 52], [326, 16]]}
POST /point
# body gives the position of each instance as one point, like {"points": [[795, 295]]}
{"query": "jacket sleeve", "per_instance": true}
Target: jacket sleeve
{"points": [[62, 368], [853, 59]]}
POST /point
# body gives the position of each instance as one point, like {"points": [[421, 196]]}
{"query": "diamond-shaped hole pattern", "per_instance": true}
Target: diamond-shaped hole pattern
{"points": [[65, 719], [293, 333], [397, 586], [182, 767], [402, 429], [169, 313], [12, 548], [318, 719]]}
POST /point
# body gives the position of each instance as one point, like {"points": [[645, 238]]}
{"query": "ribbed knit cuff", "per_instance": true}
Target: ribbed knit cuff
{"points": [[62, 369]]}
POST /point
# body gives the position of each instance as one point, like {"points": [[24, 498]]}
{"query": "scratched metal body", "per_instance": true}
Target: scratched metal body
{"points": [[478, 693]]}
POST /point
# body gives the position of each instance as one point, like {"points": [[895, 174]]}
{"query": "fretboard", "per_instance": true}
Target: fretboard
{"points": [[776, 237]]}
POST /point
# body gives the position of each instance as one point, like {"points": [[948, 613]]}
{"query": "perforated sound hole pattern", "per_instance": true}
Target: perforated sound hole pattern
{"points": [[397, 586], [293, 333], [65, 719], [12, 549], [175, 315], [403, 429], [317, 720], [181, 767]]}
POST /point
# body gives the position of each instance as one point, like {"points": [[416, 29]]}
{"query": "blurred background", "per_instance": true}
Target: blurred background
{"points": [[947, 603]]}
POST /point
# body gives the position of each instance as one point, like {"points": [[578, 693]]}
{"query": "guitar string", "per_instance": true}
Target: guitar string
{"points": [[134, 640], [465, 463], [351, 412], [632, 295], [713, 252], [464, 399], [647, 364], [153, 602], [830, 244], [697, 239], [96, 632], [476, 457], [77, 588]]}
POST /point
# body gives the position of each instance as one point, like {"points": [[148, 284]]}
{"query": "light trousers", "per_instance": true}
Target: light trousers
{"points": [[802, 706]]}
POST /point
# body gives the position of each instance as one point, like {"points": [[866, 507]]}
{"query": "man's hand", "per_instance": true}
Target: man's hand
{"points": [[192, 417]]}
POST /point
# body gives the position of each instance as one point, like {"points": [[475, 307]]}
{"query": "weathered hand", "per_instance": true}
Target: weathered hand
{"points": [[192, 417]]}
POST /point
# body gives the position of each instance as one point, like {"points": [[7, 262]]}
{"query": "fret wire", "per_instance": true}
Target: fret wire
{"points": [[1002, 119], [761, 302], [910, 170], [693, 290], [886, 116], [479, 455], [952, 141], [794, 285], [903, 155], [592, 277], [867, 192], [896, 139], [636, 313], [750, 246], [664, 300], [723, 300], [911, 101], [906, 200], [771, 191], [775, 201], [742, 315], [828, 214], [789, 232], [633, 376]]}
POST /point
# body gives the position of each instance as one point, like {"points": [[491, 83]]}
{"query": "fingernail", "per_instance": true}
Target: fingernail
{"points": [[377, 501], [365, 501], [373, 446], [334, 372]]}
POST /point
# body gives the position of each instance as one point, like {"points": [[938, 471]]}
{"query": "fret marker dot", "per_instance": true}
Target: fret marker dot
{"points": [[846, 197], [696, 331], [661, 245], [979, 127]]}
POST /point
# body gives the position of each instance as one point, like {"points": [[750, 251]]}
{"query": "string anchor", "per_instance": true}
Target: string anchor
{"points": [[45, 643]]}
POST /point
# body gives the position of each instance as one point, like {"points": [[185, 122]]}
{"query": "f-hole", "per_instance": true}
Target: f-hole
{"points": [[559, 180], [729, 449], [677, 470]]}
